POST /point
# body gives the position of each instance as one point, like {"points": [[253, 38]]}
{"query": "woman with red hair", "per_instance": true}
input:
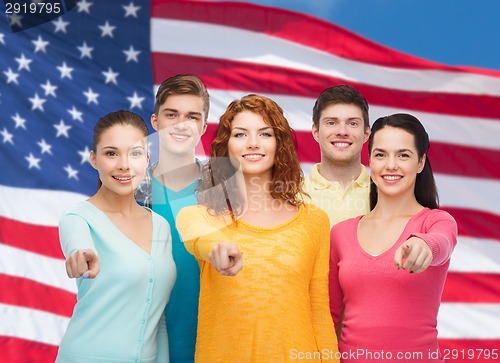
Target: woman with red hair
{"points": [[276, 308]]}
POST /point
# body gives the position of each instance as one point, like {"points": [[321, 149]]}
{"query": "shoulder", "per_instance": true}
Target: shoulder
{"points": [[436, 215], [315, 217], [345, 225]]}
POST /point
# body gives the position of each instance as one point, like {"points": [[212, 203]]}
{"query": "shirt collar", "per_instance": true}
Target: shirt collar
{"points": [[320, 182]]}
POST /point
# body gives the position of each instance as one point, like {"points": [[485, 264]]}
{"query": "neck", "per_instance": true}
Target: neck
{"points": [[343, 173], [258, 190], [392, 207], [111, 202], [177, 171]]}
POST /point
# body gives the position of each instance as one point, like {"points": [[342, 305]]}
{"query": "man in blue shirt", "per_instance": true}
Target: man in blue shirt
{"points": [[180, 118]]}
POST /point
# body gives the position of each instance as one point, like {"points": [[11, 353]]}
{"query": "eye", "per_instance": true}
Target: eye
{"points": [[110, 153], [331, 122], [170, 115], [354, 123], [239, 134], [136, 153], [404, 155], [194, 118], [378, 155], [267, 134]]}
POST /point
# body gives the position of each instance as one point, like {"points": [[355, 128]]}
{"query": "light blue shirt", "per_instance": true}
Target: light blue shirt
{"points": [[119, 316]]}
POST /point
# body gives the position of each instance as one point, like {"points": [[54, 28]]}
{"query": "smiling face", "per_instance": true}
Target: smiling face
{"points": [[252, 145], [394, 162], [181, 123], [341, 133], [121, 158]]}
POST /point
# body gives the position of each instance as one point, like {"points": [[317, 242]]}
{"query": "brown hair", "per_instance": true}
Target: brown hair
{"points": [[182, 84], [344, 94], [287, 176]]}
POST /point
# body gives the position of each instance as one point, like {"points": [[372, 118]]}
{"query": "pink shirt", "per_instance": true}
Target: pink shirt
{"points": [[389, 313]]}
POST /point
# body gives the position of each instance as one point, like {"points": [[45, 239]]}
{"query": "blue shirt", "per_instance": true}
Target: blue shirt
{"points": [[119, 314], [182, 309]]}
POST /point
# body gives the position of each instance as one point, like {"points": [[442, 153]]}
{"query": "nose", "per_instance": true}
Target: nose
{"points": [[341, 129], [391, 163], [181, 124], [253, 142], [123, 162]]}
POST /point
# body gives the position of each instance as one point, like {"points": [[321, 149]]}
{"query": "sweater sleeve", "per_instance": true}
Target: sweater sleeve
{"points": [[162, 341], [440, 234], [318, 289], [198, 234], [335, 291], [74, 234]]}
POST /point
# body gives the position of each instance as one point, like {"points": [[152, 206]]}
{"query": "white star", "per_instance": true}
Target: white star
{"points": [[91, 96], [11, 76], [110, 76], [135, 101], [65, 71], [84, 6], [40, 44], [72, 173], [7, 137], [15, 20], [131, 9], [77, 115], [85, 155], [60, 25], [49, 88], [62, 129], [20, 122], [37, 103], [132, 54], [1, 38], [46, 148], [33, 162], [107, 29], [23, 62], [85, 51]]}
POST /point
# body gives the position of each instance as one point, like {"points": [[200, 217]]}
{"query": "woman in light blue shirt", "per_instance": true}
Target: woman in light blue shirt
{"points": [[121, 255]]}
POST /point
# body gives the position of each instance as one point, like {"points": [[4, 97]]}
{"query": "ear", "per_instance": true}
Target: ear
{"points": [[92, 159], [421, 163], [366, 135], [154, 121], [204, 128], [315, 133]]}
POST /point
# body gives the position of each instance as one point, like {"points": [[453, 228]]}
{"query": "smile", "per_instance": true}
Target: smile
{"points": [[179, 137], [253, 156], [392, 177]]}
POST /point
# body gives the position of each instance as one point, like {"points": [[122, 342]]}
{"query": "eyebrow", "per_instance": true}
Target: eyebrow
{"points": [[115, 148], [261, 129], [177, 111], [399, 151]]}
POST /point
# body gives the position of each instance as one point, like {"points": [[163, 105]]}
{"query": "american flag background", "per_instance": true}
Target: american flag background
{"points": [[57, 79]]}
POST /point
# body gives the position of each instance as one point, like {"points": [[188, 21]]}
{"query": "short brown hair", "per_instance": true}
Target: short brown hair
{"points": [[182, 84], [340, 94]]}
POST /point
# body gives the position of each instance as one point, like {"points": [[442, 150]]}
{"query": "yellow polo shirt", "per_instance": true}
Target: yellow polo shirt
{"points": [[338, 203]]}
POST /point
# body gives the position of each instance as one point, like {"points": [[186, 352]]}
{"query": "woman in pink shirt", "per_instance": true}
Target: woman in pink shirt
{"points": [[388, 268]]}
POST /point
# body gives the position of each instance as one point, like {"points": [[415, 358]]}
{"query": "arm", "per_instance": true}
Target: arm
{"points": [[162, 341], [433, 247], [335, 290], [204, 238], [78, 247], [318, 289]]}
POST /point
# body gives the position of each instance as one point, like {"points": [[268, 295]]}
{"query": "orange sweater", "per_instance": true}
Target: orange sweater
{"points": [[277, 308]]}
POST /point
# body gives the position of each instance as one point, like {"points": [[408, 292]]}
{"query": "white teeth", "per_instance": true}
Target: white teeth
{"points": [[180, 137], [341, 144], [253, 156], [121, 179], [391, 177]]}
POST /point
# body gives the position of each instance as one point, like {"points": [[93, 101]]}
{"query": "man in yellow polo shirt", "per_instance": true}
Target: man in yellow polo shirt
{"points": [[340, 184]]}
